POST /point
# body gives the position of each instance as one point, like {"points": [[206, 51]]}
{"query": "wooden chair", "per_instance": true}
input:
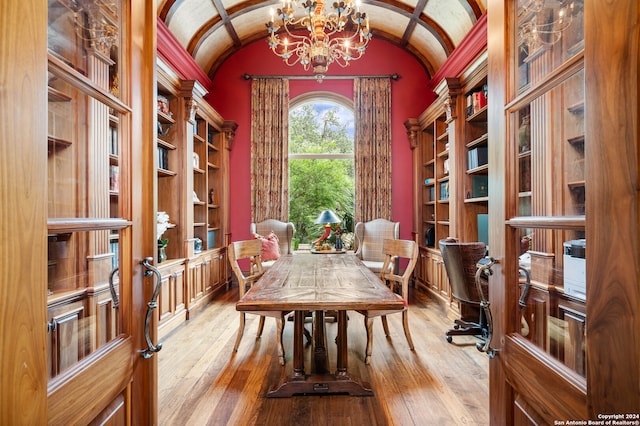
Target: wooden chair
{"points": [[251, 250], [393, 250], [369, 238], [460, 262]]}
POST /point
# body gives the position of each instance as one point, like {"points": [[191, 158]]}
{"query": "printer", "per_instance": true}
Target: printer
{"points": [[575, 274]]}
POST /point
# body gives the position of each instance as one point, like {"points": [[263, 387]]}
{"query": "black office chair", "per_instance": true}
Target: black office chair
{"points": [[465, 264]]}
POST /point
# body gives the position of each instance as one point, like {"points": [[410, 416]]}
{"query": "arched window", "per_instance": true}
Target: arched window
{"points": [[321, 162]]}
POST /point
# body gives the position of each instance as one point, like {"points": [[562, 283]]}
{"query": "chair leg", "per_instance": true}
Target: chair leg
{"points": [[385, 325], [368, 323], [279, 329], [405, 324], [260, 326], [240, 332]]}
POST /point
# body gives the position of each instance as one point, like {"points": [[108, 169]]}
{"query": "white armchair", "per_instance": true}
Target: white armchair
{"points": [[369, 239]]}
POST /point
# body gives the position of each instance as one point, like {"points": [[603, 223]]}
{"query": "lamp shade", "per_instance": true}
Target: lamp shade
{"points": [[327, 216]]}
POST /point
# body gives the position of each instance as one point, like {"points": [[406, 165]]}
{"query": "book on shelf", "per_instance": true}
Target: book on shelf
{"points": [[113, 247], [477, 157], [113, 140], [444, 191], [477, 100], [114, 178], [163, 158], [479, 186]]}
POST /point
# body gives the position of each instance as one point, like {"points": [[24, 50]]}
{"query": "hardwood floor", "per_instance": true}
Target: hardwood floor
{"points": [[202, 382]]}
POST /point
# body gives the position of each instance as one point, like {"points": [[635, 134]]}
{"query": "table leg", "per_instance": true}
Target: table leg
{"points": [[341, 359], [320, 360], [298, 346]]}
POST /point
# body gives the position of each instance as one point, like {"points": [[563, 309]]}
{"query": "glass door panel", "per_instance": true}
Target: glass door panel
{"points": [[549, 29], [548, 140], [86, 221]]}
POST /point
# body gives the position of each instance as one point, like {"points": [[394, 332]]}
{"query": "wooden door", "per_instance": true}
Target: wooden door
{"points": [[563, 124], [77, 190]]}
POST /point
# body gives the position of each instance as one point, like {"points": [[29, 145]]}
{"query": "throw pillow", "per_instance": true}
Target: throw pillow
{"points": [[270, 246]]}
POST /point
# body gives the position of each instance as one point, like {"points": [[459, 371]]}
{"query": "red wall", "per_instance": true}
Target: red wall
{"points": [[231, 97]]}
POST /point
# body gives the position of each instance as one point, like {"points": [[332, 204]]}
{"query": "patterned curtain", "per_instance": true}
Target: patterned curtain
{"points": [[269, 149], [372, 101]]}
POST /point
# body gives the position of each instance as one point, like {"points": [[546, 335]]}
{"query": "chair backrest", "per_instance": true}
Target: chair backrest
{"points": [[370, 236], [249, 249], [394, 250], [284, 231], [460, 260]]}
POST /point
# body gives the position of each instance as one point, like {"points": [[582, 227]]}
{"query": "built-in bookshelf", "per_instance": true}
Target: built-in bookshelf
{"points": [[474, 146]]}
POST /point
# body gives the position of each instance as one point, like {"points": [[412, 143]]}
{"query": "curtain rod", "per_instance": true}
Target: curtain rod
{"points": [[313, 77]]}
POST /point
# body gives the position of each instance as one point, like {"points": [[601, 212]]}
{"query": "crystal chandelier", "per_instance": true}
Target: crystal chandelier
{"points": [[328, 40], [544, 21], [95, 22]]}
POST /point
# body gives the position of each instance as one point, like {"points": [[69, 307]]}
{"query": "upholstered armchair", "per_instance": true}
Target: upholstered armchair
{"points": [[283, 230], [369, 238]]}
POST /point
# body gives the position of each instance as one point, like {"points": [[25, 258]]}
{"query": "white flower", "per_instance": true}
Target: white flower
{"points": [[162, 224]]}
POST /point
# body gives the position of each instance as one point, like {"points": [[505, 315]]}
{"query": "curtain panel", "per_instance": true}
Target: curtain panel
{"points": [[372, 102], [269, 149]]}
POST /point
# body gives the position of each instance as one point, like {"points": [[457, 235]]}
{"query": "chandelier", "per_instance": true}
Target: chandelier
{"points": [[544, 21], [95, 22], [328, 40]]}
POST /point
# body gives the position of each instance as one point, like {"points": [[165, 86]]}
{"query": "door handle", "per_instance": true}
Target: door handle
{"points": [[151, 305]]}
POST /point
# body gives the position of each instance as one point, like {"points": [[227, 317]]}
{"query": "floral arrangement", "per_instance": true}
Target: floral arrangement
{"points": [[162, 224]]}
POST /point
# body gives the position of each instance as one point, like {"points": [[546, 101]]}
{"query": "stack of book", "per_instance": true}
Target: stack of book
{"points": [[477, 100], [477, 157], [163, 158]]}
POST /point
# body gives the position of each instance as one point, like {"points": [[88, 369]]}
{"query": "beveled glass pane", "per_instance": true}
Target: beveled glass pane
{"points": [[83, 286], [548, 33], [85, 223], [552, 296], [81, 32], [549, 144]]}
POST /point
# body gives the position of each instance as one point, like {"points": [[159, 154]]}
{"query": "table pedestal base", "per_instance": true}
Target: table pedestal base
{"points": [[321, 384], [320, 381]]}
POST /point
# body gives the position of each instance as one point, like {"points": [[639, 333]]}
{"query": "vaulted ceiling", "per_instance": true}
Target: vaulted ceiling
{"points": [[213, 30]]}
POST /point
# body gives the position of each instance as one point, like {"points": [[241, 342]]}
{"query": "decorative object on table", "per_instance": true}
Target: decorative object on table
{"points": [[328, 40], [338, 234], [211, 196], [195, 197], [196, 160], [162, 224], [197, 245], [327, 217]]}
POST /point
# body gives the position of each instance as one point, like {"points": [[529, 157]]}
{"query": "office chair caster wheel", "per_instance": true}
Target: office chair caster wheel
{"points": [[449, 339]]}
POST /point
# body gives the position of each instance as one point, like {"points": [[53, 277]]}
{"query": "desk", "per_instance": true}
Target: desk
{"points": [[309, 282]]}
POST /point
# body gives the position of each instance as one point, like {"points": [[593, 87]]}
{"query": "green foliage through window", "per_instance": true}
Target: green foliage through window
{"points": [[322, 182]]}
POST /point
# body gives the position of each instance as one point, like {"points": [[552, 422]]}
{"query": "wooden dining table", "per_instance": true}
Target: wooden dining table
{"points": [[317, 283]]}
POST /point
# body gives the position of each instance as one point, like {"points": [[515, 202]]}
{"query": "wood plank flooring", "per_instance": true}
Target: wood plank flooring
{"points": [[202, 382]]}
